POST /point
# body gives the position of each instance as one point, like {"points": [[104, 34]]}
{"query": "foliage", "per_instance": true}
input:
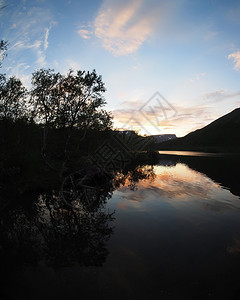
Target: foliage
{"points": [[57, 127], [12, 98], [43, 99], [71, 101]]}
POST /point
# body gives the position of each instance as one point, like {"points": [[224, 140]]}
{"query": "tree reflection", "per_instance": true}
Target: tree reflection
{"points": [[132, 176], [67, 226], [86, 189], [57, 233]]}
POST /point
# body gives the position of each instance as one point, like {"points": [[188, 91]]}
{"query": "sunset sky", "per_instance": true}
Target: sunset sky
{"points": [[168, 66]]}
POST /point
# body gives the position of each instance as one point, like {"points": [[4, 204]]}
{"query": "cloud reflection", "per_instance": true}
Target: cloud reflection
{"points": [[177, 185]]}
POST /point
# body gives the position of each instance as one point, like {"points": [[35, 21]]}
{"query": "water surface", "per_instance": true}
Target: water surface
{"points": [[168, 231], [194, 153]]}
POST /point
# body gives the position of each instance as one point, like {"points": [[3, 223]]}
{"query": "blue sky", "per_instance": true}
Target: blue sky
{"points": [[188, 51]]}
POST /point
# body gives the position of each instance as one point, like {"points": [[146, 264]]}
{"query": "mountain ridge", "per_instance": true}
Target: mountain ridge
{"points": [[221, 135]]}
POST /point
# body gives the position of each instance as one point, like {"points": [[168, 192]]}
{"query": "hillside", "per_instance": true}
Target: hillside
{"points": [[222, 135]]}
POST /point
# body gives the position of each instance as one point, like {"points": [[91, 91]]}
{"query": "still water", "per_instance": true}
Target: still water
{"points": [[168, 231], [195, 153]]}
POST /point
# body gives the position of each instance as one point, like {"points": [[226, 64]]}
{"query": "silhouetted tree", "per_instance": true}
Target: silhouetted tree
{"points": [[71, 101], [12, 92], [43, 96], [12, 98], [68, 102]]}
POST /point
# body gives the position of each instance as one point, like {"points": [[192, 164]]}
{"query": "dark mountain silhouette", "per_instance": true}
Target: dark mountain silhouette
{"points": [[222, 135]]}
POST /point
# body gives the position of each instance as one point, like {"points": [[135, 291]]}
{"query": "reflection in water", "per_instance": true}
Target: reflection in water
{"points": [[184, 184], [176, 234], [55, 230], [131, 178], [178, 184], [67, 226], [221, 169], [193, 153], [51, 231]]}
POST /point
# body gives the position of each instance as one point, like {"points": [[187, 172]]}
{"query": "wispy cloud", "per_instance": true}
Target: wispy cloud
{"points": [[184, 121], [85, 32], [30, 30], [47, 31], [23, 45], [46, 39], [198, 77], [41, 58], [37, 45], [63, 66], [123, 26], [19, 72], [210, 35], [236, 58], [220, 95], [71, 64]]}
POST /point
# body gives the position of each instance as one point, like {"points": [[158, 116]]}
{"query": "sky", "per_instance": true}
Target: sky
{"points": [[169, 67]]}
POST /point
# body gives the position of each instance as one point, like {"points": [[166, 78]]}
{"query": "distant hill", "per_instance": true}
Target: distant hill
{"points": [[159, 138], [222, 135]]}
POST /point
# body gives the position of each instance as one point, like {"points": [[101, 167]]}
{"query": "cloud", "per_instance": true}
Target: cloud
{"points": [[210, 35], [41, 58], [236, 58], [46, 38], [63, 66], [71, 64], [29, 30], [47, 34], [123, 26], [26, 45], [21, 66], [180, 121], [37, 46], [19, 72], [84, 33], [220, 95]]}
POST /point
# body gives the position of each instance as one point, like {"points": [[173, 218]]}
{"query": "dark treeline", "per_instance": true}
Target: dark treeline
{"points": [[59, 126], [60, 161]]}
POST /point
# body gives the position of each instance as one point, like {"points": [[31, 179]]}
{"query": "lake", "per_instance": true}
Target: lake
{"points": [[168, 231]]}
